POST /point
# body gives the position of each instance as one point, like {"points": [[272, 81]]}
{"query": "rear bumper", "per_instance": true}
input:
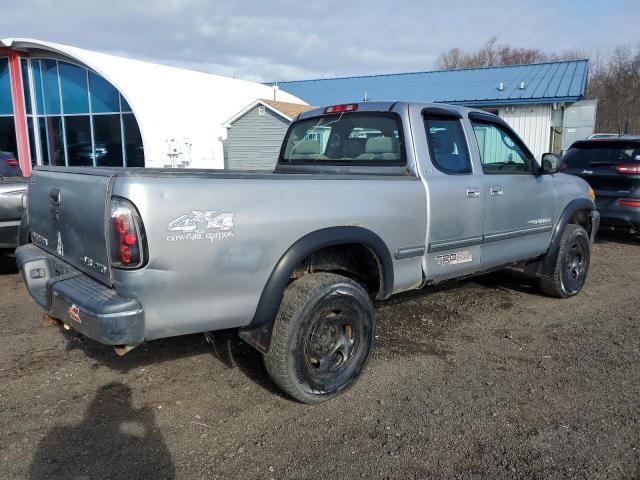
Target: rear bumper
{"points": [[623, 218], [69, 295]]}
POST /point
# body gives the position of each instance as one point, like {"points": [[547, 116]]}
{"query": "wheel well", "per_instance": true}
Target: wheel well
{"points": [[581, 217], [352, 260]]}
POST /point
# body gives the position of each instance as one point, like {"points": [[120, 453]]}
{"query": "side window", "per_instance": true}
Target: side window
{"points": [[447, 145], [500, 151]]}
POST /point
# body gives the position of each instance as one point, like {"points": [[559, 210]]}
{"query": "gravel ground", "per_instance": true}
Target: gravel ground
{"points": [[483, 379]]}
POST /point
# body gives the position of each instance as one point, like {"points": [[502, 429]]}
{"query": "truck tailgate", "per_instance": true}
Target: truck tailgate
{"points": [[67, 215]]}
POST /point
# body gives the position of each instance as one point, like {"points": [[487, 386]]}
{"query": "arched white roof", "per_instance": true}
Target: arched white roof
{"points": [[168, 102]]}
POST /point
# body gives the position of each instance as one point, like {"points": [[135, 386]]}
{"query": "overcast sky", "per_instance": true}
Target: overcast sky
{"points": [[278, 40]]}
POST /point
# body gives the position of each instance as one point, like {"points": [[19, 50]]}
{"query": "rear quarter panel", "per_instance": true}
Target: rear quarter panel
{"points": [[195, 285]]}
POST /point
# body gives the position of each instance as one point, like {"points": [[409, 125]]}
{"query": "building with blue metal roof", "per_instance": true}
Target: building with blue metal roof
{"points": [[491, 86], [540, 101]]}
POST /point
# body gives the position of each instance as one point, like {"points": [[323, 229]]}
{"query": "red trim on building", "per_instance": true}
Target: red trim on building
{"points": [[19, 115]]}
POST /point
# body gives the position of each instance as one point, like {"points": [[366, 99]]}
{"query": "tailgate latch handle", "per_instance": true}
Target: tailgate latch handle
{"points": [[54, 196]]}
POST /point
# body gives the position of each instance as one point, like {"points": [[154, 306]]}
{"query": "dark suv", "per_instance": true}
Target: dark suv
{"points": [[612, 168], [9, 166]]}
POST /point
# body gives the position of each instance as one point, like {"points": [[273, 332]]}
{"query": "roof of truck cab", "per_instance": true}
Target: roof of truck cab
{"points": [[550, 82], [390, 106]]}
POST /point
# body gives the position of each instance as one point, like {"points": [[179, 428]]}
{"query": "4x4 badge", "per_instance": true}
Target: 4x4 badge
{"points": [[209, 225]]}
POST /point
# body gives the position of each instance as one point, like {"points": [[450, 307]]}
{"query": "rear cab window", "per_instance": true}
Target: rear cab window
{"points": [[354, 138]]}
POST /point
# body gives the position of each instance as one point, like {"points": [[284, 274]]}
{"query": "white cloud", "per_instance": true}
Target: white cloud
{"points": [[282, 40]]}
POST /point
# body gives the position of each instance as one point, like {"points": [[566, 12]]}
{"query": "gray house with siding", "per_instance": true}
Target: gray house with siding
{"points": [[255, 134]]}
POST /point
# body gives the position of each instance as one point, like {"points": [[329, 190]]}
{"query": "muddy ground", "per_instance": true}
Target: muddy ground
{"points": [[484, 379]]}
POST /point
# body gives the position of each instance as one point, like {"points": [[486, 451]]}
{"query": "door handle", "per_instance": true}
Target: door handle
{"points": [[496, 191], [473, 192]]}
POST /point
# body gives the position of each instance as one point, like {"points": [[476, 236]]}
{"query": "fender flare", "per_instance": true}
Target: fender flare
{"points": [[258, 332], [549, 261]]}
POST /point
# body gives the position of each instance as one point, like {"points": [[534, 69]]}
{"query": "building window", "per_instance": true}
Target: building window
{"points": [[262, 110], [7, 122], [82, 120]]}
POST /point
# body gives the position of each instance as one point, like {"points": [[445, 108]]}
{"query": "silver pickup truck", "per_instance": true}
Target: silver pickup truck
{"points": [[367, 200]]}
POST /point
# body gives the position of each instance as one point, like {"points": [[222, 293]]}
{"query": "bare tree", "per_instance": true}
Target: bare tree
{"points": [[616, 85], [613, 81], [493, 53]]}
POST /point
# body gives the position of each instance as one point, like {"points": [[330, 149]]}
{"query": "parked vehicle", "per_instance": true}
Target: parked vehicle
{"points": [[595, 136], [13, 210], [9, 166], [13, 204], [612, 168], [293, 258]]}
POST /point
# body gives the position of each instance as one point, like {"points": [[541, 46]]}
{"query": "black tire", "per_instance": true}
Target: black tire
{"points": [[572, 264], [322, 337]]}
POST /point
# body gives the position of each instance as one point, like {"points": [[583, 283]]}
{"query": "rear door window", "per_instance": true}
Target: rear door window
{"points": [[360, 138], [447, 145]]}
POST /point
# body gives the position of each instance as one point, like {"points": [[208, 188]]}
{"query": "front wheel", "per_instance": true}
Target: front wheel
{"points": [[572, 264], [322, 337]]}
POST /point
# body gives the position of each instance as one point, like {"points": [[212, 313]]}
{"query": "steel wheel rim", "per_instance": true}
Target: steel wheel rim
{"points": [[332, 341], [575, 267]]}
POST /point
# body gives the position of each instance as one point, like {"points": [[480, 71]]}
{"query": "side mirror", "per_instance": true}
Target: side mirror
{"points": [[550, 163]]}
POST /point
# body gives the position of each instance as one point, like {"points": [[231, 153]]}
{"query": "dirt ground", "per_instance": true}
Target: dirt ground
{"points": [[484, 379]]}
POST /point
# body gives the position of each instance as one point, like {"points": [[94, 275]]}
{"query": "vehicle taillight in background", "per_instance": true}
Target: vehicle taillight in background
{"points": [[127, 235], [350, 107], [629, 203], [628, 169], [11, 162], [563, 167]]}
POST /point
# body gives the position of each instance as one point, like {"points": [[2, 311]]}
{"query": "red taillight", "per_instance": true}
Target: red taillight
{"points": [[126, 234], [629, 203], [349, 107], [130, 239], [125, 254], [563, 167], [121, 225], [11, 162], [628, 169]]}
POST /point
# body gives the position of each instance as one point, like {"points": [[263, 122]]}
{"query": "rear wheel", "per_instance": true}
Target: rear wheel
{"points": [[572, 264], [322, 337]]}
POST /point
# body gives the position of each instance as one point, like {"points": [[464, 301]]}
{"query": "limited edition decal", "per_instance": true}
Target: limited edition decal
{"points": [[212, 225], [454, 258]]}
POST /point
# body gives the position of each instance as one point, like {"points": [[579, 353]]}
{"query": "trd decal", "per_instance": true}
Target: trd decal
{"points": [[91, 263], [212, 225], [454, 258], [41, 239]]}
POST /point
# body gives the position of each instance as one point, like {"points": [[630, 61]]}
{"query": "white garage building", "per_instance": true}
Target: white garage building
{"points": [[62, 105]]}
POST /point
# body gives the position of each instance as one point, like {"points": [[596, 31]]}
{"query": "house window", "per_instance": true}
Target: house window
{"points": [[262, 110]]}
